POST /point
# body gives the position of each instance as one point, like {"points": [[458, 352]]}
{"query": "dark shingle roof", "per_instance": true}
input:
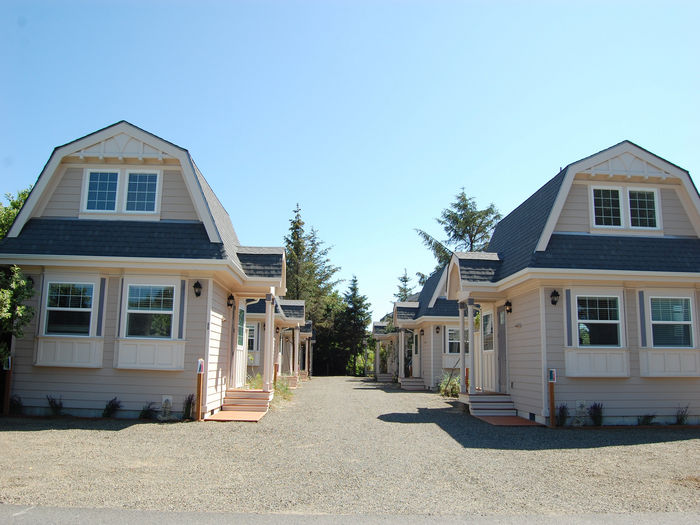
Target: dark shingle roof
{"points": [[406, 313], [307, 328], [292, 309], [261, 264], [379, 329], [612, 252], [96, 238], [442, 307], [478, 266], [516, 236]]}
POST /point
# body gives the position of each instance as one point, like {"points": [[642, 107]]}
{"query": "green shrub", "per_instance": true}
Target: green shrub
{"points": [[255, 383], [449, 386], [148, 411], [562, 415], [595, 412], [282, 390], [682, 415], [111, 407], [56, 405]]}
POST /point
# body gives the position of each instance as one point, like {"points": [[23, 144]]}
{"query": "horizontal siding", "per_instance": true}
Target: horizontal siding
{"points": [[525, 353], [621, 397], [176, 203], [675, 220], [219, 345], [87, 388], [575, 216], [64, 201]]}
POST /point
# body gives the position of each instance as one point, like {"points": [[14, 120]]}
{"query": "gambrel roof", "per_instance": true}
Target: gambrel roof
{"points": [[429, 302]]}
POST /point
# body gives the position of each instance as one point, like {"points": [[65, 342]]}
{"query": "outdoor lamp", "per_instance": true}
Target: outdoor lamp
{"points": [[509, 307], [554, 296], [197, 286], [229, 301], [422, 332], [437, 329]]}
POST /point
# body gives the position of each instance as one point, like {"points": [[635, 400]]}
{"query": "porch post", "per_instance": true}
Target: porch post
{"points": [[268, 348], [462, 351], [306, 357], [296, 351], [311, 357], [472, 346], [402, 351], [377, 359]]}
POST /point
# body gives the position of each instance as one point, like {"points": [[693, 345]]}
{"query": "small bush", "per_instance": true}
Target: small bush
{"points": [[56, 405], [595, 412], [111, 407], [255, 383], [282, 390], [187, 407], [646, 419], [682, 415], [449, 386], [562, 415], [148, 411], [16, 405]]}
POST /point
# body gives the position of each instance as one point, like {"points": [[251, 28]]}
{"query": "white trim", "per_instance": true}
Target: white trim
{"points": [[440, 287], [159, 191], [591, 200], [599, 294], [70, 278], [136, 280], [660, 294], [85, 191], [543, 344], [657, 208]]}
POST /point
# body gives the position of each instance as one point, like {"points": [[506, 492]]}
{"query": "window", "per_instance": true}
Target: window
{"points": [[252, 346], [671, 323], [102, 191], [642, 209], [150, 311], [606, 207], [453, 341], [141, 192], [241, 326], [598, 321], [487, 323], [69, 309]]}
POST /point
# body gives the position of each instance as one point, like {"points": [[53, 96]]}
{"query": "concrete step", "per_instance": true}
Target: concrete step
{"points": [[385, 378]]}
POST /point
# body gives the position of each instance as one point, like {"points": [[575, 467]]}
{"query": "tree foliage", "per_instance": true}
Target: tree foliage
{"points": [[405, 290], [352, 331], [9, 212], [466, 227], [15, 290]]}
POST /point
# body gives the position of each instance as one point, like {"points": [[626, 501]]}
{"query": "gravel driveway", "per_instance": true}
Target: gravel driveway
{"points": [[346, 445]]}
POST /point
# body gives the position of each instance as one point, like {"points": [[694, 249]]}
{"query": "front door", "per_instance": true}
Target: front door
{"points": [[502, 362], [416, 354]]}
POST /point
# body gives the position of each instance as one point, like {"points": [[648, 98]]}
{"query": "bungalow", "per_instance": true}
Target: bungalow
{"points": [[592, 283], [139, 274]]}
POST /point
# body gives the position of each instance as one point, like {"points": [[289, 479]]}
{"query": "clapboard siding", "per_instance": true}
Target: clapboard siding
{"points": [[621, 397], [575, 216], [675, 219], [85, 391], [176, 202], [525, 353], [219, 348], [65, 199]]}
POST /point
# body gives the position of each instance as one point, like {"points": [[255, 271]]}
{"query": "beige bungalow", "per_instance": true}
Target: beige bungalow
{"points": [[139, 274], [592, 283]]}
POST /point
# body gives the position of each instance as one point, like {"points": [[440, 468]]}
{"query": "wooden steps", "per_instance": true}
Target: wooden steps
{"points": [[385, 378], [489, 404], [247, 403], [412, 383]]}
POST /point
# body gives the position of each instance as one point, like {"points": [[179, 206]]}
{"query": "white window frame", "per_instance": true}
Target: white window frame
{"points": [[252, 328], [651, 322], [86, 190], [447, 340], [493, 330], [47, 308], [620, 321], [657, 217], [159, 190], [150, 281], [241, 339], [621, 193]]}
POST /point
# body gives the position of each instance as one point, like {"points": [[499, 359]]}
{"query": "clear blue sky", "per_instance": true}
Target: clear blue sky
{"points": [[370, 114]]}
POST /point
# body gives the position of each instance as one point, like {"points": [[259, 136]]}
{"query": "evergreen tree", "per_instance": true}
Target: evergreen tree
{"points": [[467, 228], [404, 289], [355, 319], [296, 252]]}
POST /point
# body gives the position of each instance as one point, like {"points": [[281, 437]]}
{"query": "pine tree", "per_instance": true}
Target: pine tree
{"points": [[355, 319], [405, 290], [296, 252]]}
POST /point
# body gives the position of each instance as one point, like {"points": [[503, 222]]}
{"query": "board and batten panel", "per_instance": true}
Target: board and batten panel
{"points": [[85, 391], [220, 326], [64, 201], [176, 203], [525, 353], [575, 215], [437, 353], [675, 219], [623, 398]]}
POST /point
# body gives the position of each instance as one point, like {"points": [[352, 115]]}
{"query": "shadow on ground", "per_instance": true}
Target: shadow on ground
{"points": [[33, 424]]}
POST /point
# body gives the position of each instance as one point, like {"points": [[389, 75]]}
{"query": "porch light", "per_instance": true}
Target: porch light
{"points": [[229, 301], [509, 307], [277, 330], [437, 329], [197, 286], [422, 332], [554, 296]]}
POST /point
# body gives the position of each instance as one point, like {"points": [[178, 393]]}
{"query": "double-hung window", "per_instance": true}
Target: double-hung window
{"points": [[488, 331], [141, 192], [102, 191], [606, 207], [632, 208], [671, 322], [241, 325], [453, 341], [150, 311], [642, 209], [598, 321], [252, 343], [69, 308]]}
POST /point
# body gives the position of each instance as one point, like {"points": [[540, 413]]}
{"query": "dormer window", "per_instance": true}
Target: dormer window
{"points": [[133, 193], [606, 205], [102, 191], [642, 209], [142, 191]]}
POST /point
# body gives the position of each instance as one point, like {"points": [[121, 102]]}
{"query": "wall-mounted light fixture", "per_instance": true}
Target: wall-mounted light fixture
{"points": [[509, 307], [437, 329], [277, 330], [554, 296], [422, 332], [229, 301], [197, 286]]}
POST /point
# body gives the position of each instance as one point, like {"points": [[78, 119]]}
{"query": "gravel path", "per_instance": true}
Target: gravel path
{"points": [[349, 446]]}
